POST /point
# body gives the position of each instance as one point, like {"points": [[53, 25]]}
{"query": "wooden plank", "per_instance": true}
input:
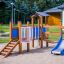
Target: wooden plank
{"points": [[3, 53], [5, 47], [10, 30], [28, 44], [40, 31], [32, 27], [20, 47], [12, 49], [6, 50], [8, 47], [41, 25], [20, 44], [28, 47]]}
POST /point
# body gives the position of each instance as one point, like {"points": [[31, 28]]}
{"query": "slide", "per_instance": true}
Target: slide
{"points": [[59, 48]]}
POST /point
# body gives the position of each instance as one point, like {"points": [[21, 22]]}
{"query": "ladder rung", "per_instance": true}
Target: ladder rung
{"points": [[4, 53], [6, 50], [13, 42], [8, 47]]}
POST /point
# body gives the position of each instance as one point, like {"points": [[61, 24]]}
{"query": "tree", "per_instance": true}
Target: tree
{"points": [[2, 5], [24, 8], [35, 8]]}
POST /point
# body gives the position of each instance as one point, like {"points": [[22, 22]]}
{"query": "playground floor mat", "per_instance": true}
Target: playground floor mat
{"points": [[35, 56]]}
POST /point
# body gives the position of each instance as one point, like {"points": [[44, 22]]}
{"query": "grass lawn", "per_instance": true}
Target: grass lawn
{"points": [[4, 28], [53, 37], [6, 40]]}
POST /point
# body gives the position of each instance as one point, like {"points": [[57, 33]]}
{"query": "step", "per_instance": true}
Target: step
{"points": [[11, 45], [8, 47], [6, 50], [4, 53], [13, 42]]}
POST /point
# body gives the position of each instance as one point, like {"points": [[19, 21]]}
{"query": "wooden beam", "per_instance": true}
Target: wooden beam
{"points": [[28, 44], [41, 25], [39, 28], [46, 20], [10, 31], [20, 43], [32, 27]]}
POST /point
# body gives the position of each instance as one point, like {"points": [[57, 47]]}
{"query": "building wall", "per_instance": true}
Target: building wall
{"points": [[54, 19]]}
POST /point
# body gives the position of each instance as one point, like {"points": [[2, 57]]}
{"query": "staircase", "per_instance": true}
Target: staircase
{"points": [[8, 48]]}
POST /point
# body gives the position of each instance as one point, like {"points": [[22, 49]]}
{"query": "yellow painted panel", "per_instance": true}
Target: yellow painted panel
{"points": [[54, 19]]}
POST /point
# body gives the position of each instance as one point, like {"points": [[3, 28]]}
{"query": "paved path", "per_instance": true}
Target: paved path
{"points": [[35, 56]]}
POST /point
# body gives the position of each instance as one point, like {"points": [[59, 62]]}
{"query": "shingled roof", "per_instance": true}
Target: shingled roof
{"points": [[52, 10], [55, 9], [42, 14]]}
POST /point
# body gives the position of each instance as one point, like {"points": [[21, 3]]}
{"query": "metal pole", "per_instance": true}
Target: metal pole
{"points": [[14, 15]]}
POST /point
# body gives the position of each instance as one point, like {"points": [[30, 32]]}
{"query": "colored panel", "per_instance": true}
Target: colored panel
{"points": [[23, 32], [34, 32], [30, 33], [26, 37], [15, 33], [37, 32], [54, 19], [44, 29]]}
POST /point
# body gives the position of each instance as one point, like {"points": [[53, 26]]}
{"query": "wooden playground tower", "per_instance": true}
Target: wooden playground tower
{"points": [[17, 41]]}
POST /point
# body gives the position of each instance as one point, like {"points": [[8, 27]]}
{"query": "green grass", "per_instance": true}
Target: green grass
{"points": [[6, 40], [53, 37], [4, 28], [53, 29]]}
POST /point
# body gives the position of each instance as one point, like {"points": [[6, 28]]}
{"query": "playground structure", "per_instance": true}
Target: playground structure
{"points": [[24, 34], [27, 34]]}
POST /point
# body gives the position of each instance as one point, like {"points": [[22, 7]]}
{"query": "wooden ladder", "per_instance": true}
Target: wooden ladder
{"points": [[8, 48]]}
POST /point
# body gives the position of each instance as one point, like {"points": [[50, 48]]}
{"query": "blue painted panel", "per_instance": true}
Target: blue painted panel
{"points": [[34, 32], [37, 32], [44, 29], [15, 33]]}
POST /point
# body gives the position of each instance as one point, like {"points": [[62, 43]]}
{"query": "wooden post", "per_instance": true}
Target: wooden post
{"points": [[32, 27], [47, 30], [47, 43], [10, 31], [41, 25], [28, 44], [20, 43], [39, 28], [46, 20]]}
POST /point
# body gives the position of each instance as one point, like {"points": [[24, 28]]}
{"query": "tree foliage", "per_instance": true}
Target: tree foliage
{"points": [[25, 8]]}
